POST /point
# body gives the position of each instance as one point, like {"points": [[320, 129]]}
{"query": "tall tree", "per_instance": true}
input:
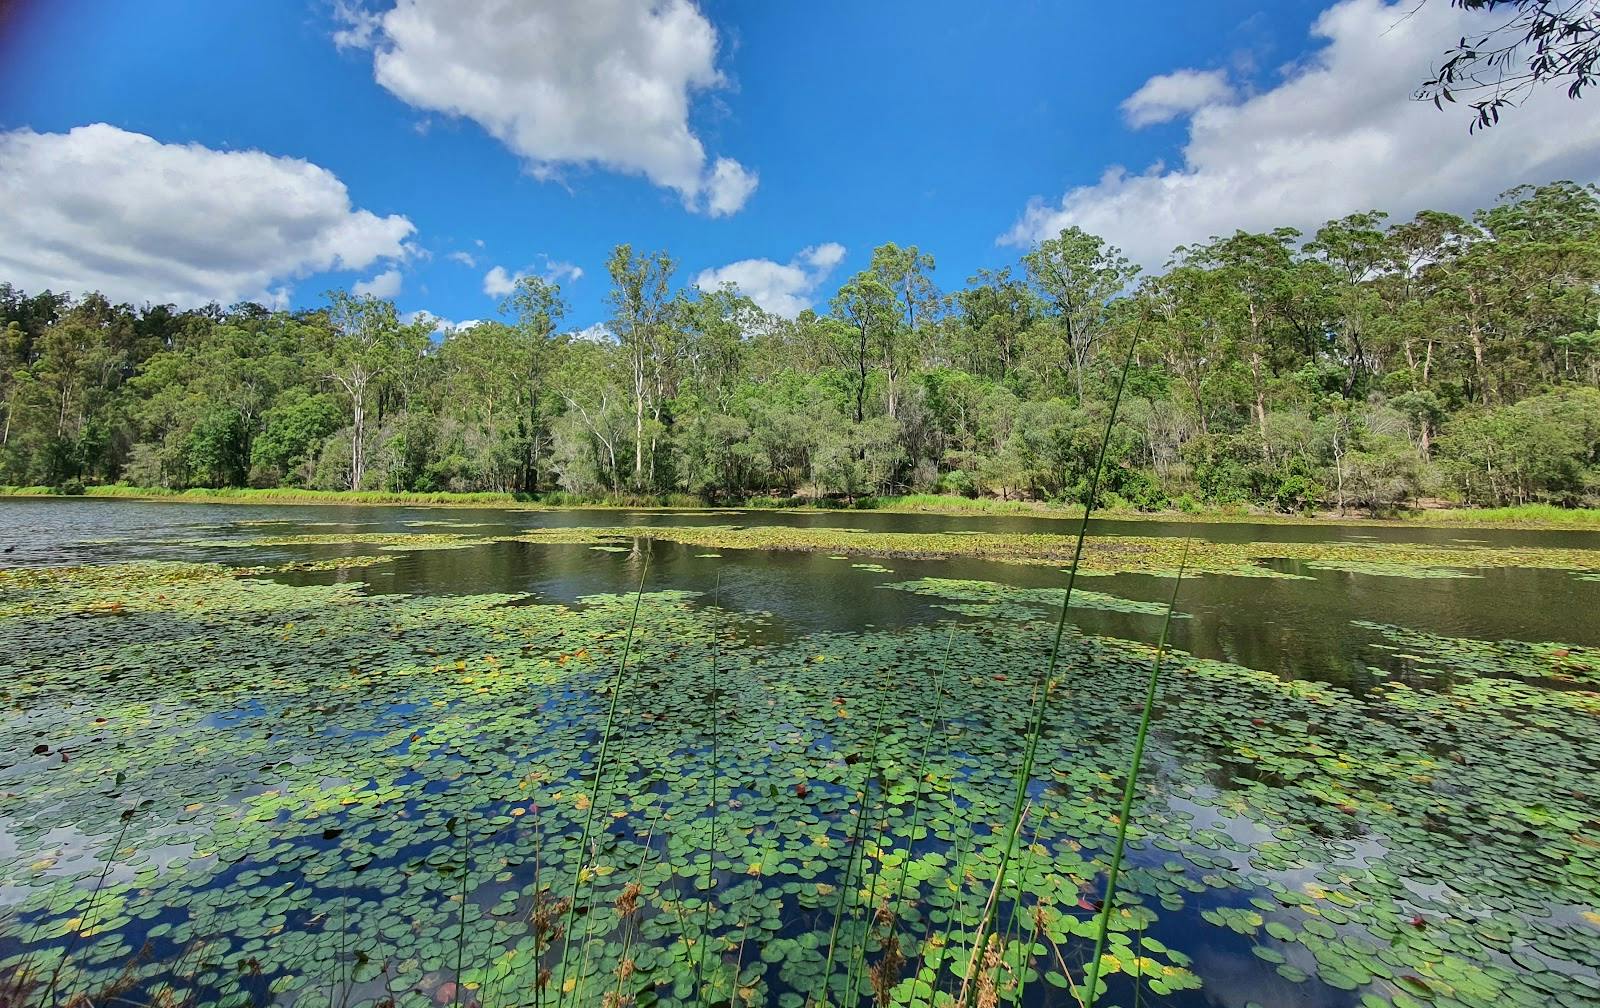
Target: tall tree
{"points": [[640, 303], [365, 342], [904, 273], [1078, 274]]}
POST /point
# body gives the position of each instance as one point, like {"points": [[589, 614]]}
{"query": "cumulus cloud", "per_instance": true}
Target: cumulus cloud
{"points": [[384, 285], [440, 325], [561, 272], [597, 333], [464, 258], [358, 26], [100, 208], [784, 289], [499, 281], [1165, 97], [729, 185], [822, 257], [582, 82], [1340, 134]]}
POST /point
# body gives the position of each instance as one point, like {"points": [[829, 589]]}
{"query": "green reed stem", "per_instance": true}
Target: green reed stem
{"points": [[922, 766], [599, 773], [1093, 979], [1042, 692], [1017, 911], [630, 927], [859, 833], [94, 897], [538, 906], [916, 803], [711, 847], [461, 932], [852, 975]]}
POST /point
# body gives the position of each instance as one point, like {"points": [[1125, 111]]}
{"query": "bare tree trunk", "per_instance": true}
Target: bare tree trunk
{"points": [[358, 430], [638, 422]]}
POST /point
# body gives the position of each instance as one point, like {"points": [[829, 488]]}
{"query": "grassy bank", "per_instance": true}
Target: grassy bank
{"points": [[1532, 516], [1523, 516], [253, 495]]}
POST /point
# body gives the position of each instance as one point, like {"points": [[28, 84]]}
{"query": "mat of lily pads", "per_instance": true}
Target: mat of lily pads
{"points": [[1102, 554], [216, 788]]}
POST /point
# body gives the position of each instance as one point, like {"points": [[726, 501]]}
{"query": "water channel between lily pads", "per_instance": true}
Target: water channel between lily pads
{"points": [[329, 756]]}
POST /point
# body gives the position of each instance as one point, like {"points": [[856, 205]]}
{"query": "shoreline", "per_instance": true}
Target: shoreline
{"points": [[1530, 517]]}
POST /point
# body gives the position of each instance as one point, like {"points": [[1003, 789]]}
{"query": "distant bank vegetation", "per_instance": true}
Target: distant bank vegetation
{"points": [[1368, 366]]}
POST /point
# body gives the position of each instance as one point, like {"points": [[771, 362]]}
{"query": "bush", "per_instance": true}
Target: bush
{"points": [[959, 482]]}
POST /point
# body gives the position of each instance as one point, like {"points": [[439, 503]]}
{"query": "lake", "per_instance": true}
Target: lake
{"points": [[341, 755]]}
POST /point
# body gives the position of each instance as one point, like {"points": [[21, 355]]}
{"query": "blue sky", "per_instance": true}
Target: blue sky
{"points": [[471, 135]]}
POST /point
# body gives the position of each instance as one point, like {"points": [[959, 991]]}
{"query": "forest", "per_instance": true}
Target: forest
{"points": [[1370, 365]]}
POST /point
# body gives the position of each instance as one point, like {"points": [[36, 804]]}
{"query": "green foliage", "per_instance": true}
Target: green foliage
{"points": [[1370, 367]]}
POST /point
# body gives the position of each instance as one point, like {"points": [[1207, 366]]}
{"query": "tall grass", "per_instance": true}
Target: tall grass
{"points": [[88, 913], [1092, 981], [1521, 514], [1042, 685], [599, 776], [858, 835], [712, 807]]}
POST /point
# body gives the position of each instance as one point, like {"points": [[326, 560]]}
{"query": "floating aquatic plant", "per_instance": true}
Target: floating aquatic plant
{"points": [[299, 751]]}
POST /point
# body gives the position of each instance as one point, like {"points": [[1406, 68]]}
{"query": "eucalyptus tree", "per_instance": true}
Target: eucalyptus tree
{"points": [[992, 313], [642, 323], [1077, 275], [1521, 45], [904, 273], [537, 309], [1254, 281], [870, 317], [1356, 249], [365, 342]]}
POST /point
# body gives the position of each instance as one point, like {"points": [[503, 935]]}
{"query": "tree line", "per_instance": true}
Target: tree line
{"points": [[1369, 364]]}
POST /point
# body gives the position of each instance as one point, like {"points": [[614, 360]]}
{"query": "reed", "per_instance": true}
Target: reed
{"points": [[1042, 686], [461, 928], [599, 772], [1092, 981], [858, 836], [892, 912], [50, 990], [711, 846]]}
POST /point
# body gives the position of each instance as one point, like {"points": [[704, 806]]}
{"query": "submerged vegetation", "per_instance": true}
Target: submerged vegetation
{"points": [[1362, 367], [226, 788]]}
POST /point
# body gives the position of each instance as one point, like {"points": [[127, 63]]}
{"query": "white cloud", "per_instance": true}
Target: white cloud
{"points": [[384, 285], [464, 258], [440, 325], [498, 283], [561, 272], [784, 289], [358, 26], [583, 82], [1339, 135], [597, 333], [728, 186], [822, 257], [100, 208], [1167, 96]]}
